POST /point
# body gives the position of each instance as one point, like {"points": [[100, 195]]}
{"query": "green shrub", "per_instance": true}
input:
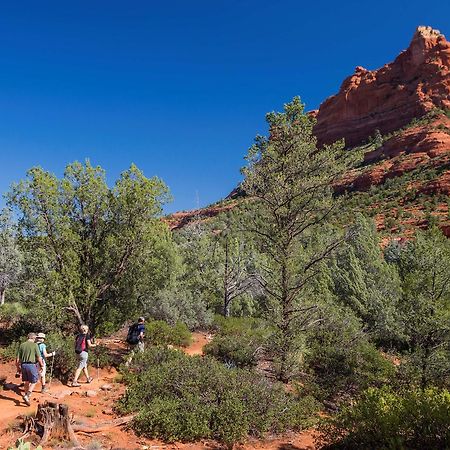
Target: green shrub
{"points": [[101, 355], [178, 304], [190, 398], [239, 341], [9, 352], [65, 361], [340, 359], [237, 325], [158, 332], [10, 312], [386, 420]]}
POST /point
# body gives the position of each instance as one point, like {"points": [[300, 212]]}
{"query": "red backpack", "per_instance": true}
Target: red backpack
{"points": [[80, 343]]}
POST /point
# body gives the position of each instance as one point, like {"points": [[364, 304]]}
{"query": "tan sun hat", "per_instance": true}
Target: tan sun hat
{"points": [[41, 335]]}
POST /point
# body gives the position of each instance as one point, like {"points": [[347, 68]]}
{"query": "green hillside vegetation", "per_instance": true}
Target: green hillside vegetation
{"points": [[306, 311]]}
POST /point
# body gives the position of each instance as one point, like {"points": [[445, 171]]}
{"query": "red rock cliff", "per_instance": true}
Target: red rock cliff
{"points": [[389, 98]]}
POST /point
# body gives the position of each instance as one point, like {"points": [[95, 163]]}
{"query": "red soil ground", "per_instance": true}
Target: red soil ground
{"points": [[98, 410]]}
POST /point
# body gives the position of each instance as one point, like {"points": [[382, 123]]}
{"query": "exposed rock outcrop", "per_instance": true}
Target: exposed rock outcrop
{"points": [[181, 219], [390, 97], [423, 145]]}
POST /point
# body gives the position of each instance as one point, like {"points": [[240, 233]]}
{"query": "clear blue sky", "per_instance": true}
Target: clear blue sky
{"points": [[178, 87]]}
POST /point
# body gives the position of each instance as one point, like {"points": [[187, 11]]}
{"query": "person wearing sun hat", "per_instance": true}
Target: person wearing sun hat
{"points": [[40, 341]]}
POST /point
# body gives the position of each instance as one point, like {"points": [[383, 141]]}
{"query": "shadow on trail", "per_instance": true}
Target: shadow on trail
{"points": [[16, 401]]}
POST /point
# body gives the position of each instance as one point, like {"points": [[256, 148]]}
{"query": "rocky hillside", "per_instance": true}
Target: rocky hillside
{"points": [[399, 116]]}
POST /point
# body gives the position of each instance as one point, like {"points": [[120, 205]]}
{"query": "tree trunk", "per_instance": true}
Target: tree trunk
{"points": [[226, 298], [424, 378], [2, 296], [52, 421]]}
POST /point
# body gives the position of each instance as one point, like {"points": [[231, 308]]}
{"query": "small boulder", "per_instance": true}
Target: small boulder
{"points": [[91, 393], [61, 394], [106, 387]]}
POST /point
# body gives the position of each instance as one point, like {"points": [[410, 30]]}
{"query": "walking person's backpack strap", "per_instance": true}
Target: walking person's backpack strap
{"points": [[133, 334]]}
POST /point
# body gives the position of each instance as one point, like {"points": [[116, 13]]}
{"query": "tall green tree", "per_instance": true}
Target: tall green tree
{"points": [[291, 179], [424, 266], [10, 256], [87, 238], [366, 283]]}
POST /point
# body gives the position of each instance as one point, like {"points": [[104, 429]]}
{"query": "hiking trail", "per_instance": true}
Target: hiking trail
{"points": [[92, 405]]}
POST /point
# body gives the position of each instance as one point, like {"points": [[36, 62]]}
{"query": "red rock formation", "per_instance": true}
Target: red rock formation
{"points": [[425, 145], [439, 186], [180, 219], [389, 98]]}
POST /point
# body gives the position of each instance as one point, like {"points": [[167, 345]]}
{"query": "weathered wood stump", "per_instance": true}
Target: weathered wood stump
{"points": [[52, 421]]}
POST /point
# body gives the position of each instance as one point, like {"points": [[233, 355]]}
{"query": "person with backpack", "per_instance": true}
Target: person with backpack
{"points": [[40, 338], [135, 338], [83, 343], [28, 358]]}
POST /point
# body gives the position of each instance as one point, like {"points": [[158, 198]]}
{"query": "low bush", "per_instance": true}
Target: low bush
{"points": [[10, 312], [384, 419], [9, 352], [178, 397], [341, 360], [158, 332], [239, 341], [101, 355]]}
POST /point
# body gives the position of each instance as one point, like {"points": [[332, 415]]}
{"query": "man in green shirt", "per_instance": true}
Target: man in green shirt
{"points": [[28, 356]]}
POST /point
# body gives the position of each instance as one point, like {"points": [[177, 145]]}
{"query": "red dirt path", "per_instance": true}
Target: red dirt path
{"points": [[98, 409]]}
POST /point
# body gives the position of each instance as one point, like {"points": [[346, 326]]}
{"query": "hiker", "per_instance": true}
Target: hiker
{"points": [[40, 338], [135, 338], [28, 358], [82, 345]]}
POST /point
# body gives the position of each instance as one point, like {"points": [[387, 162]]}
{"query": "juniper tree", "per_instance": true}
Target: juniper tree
{"points": [[424, 266], [88, 239], [10, 256], [291, 179], [366, 283]]}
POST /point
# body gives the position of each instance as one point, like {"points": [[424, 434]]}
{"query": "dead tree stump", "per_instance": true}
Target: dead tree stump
{"points": [[52, 421]]}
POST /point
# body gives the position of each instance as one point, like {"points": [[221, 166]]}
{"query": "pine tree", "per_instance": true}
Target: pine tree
{"points": [[291, 180]]}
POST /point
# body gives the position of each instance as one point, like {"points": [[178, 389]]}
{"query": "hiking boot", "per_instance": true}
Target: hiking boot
{"points": [[26, 399], [75, 384], [89, 380]]}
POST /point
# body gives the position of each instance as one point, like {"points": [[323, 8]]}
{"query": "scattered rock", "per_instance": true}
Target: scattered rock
{"points": [[108, 412], [91, 393], [61, 394], [106, 387]]}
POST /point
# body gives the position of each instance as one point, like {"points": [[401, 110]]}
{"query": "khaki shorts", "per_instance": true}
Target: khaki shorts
{"points": [[82, 357]]}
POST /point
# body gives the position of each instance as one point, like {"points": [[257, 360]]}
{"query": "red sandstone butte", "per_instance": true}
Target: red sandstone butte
{"points": [[390, 97]]}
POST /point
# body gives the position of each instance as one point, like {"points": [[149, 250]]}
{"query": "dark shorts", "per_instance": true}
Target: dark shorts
{"points": [[30, 373]]}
